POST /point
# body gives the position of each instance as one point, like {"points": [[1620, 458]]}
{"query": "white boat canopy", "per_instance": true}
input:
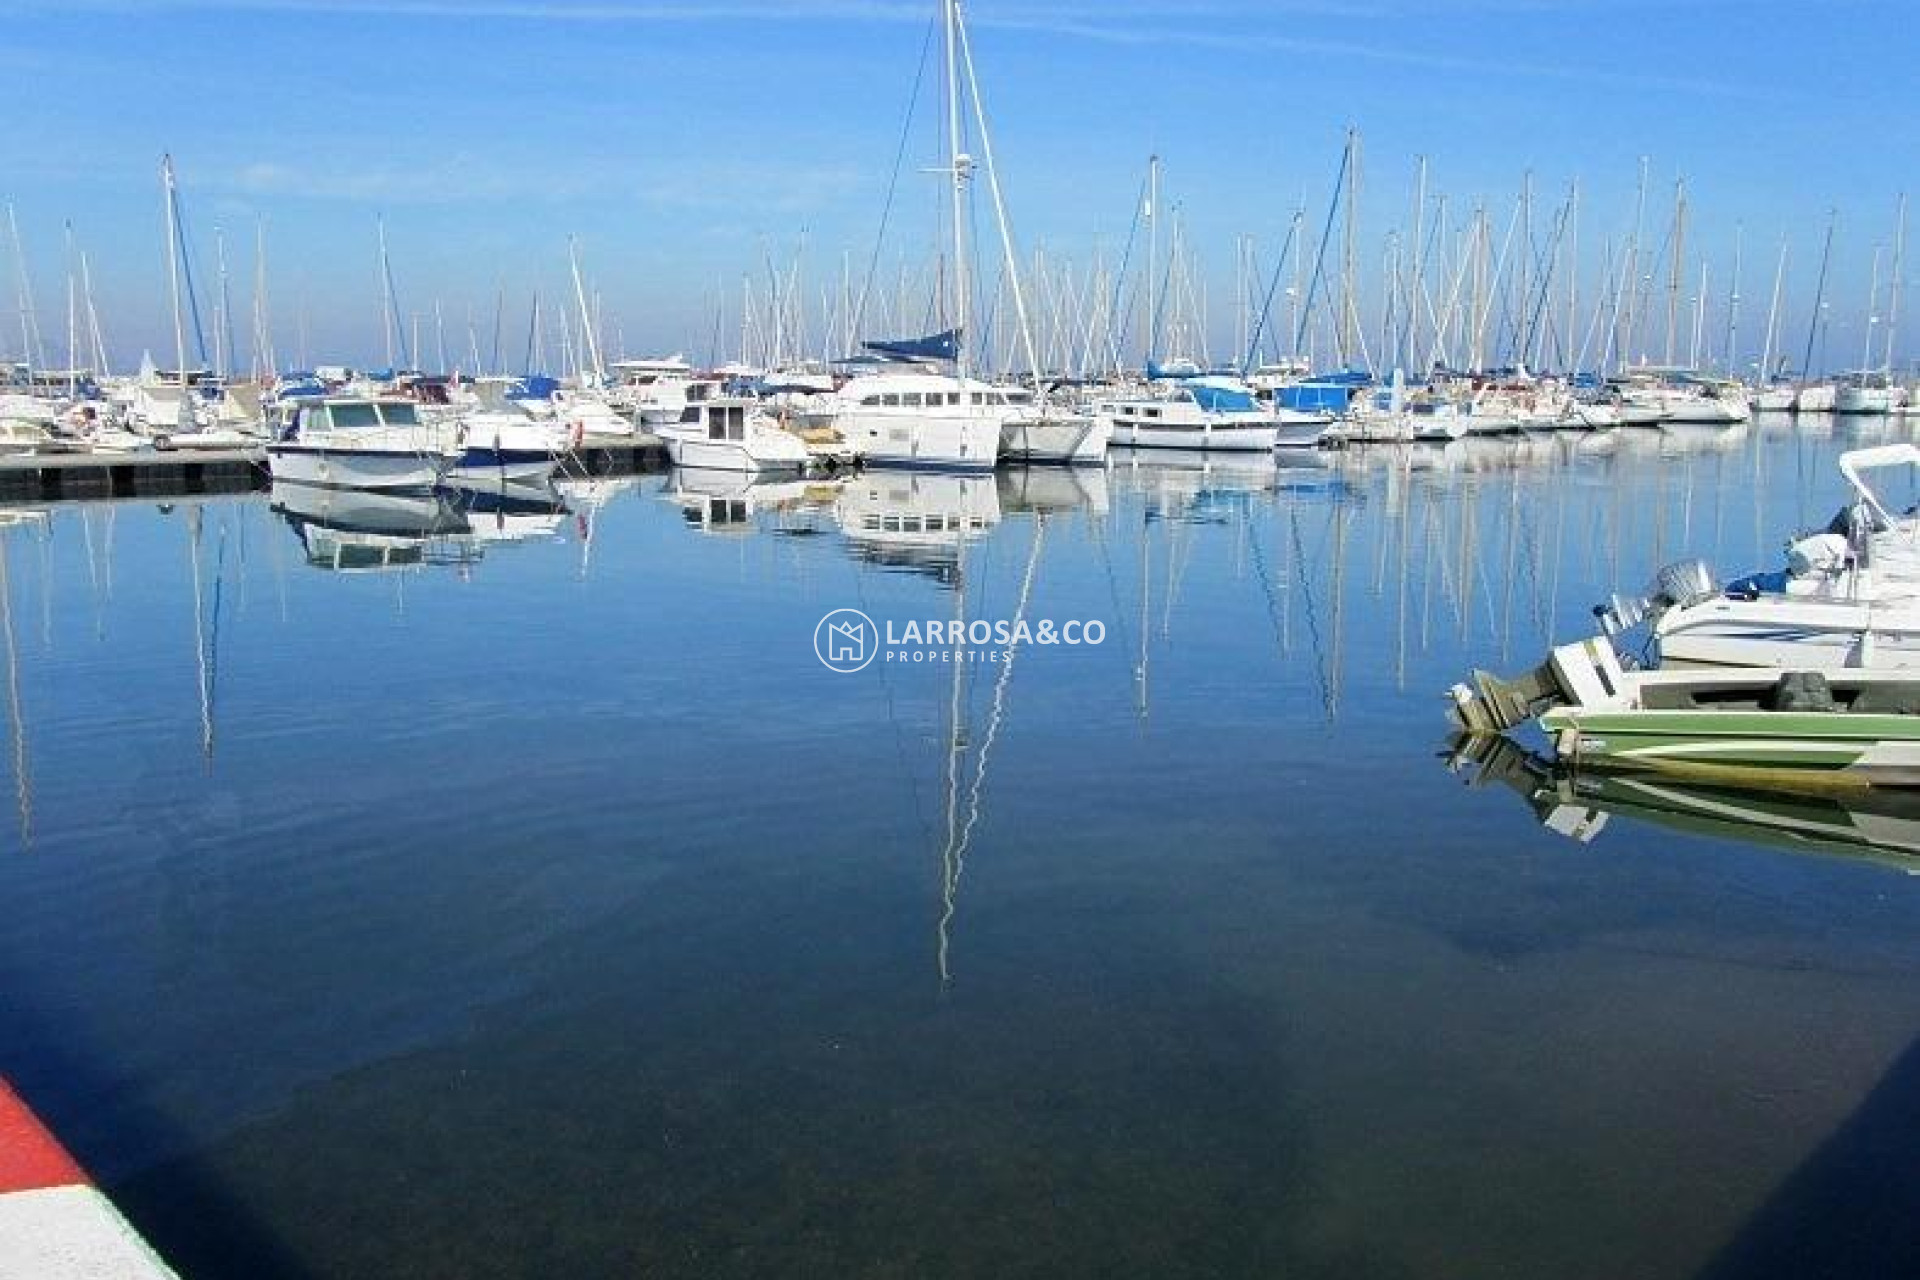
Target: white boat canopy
{"points": [[1879, 458]]}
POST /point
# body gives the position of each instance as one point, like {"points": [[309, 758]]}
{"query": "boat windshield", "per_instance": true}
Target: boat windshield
{"points": [[353, 415], [400, 415]]}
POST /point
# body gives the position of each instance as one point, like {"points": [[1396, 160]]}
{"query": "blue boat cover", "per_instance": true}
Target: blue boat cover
{"points": [[936, 346]]}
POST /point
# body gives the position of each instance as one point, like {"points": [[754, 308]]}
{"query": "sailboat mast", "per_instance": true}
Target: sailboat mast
{"points": [[93, 317], [173, 277], [1899, 274], [1676, 266], [73, 322], [960, 165], [586, 317], [1773, 313], [999, 202], [221, 328], [1873, 318], [1153, 252], [386, 291], [1733, 300], [1819, 296]]}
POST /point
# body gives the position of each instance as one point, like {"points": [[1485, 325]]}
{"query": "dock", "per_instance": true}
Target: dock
{"points": [[164, 473], [54, 1223]]}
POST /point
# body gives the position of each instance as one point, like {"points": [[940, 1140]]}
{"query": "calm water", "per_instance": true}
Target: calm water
{"points": [[540, 906]]}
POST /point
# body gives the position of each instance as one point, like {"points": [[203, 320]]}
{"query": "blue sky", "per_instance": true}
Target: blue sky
{"points": [[687, 144]]}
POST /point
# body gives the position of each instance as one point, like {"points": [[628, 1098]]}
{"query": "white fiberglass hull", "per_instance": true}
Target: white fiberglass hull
{"points": [[1295, 430], [1817, 399], [758, 455], [1863, 400], [1707, 412], [1778, 400], [930, 439], [340, 468], [1774, 631], [1236, 437], [1069, 440]]}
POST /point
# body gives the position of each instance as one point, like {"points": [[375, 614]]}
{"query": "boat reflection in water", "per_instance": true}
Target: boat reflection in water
{"points": [[506, 512], [1053, 490], [733, 502], [368, 531], [1880, 825], [916, 520]]}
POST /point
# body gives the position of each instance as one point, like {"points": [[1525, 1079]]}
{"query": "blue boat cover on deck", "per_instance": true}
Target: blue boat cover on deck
{"points": [[937, 346]]}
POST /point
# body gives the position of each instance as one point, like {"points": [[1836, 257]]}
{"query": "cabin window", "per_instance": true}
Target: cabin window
{"points": [[871, 402], [911, 400], [891, 400], [353, 415], [400, 415], [690, 414], [1019, 397], [1150, 413]]}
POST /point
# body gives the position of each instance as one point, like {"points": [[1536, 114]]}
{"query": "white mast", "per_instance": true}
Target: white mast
{"points": [[220, 320], [264, 363], [961, 166], [586, 318], [386, 290], [1873, 318], [93, 317], [30, 344], [1899, 272], [1733, 301], [173, 282], [1153, 250], [73, 322], [1773, 315], [999, 203]]}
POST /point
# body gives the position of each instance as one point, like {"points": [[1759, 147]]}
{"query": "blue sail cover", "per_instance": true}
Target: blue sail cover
{"points": [[533, 386], [1172, 371], [1221, 397], [937, 346]]}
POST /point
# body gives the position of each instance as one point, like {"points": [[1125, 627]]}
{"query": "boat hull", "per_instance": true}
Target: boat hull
{"points": [[1814, 749], [1207, 437], [394, 471], [923, 441], [488, 465], [1056, 441]]}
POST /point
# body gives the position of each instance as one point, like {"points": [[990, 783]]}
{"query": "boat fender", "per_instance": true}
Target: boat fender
{"points": [[579, 435]]}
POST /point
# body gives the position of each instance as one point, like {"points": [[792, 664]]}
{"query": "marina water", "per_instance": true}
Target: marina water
{"points": [[541, 905]]}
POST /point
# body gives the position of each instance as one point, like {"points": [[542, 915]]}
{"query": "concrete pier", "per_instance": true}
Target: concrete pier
{"points": [[162, 473], [54, 1223]]}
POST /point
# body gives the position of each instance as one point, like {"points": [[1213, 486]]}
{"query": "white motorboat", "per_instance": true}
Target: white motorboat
{"points": [[358, 443], [1849, 597], [926, 420], [1051, 434], [1205, 413], [1862, 393], [490, 448], [733, 434]]}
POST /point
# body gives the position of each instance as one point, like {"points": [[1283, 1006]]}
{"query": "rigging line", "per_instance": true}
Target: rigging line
{"points": [[1320, 257], [893, 183]]}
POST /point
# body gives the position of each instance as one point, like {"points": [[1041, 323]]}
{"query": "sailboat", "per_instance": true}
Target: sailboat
{"points": [[902, 414], [169, 403]]}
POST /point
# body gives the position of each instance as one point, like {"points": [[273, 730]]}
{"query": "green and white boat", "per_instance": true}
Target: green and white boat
{"points": [[1878, 825], [1797, 730]]}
